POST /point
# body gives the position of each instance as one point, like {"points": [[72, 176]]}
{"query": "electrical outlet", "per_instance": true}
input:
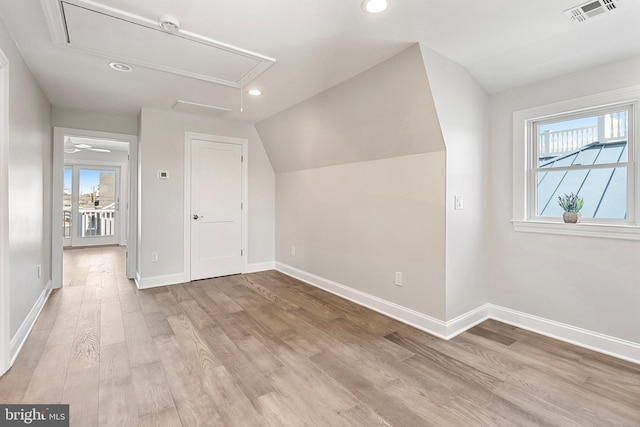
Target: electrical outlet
{"points": [[39, 271], [154, 256], [293, 250], [398, 278]]}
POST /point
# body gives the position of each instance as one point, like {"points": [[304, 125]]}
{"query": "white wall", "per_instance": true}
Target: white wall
{"points": [[386, 111], [162, 136], [357, 224], [586, 282], [462, 108], [87, 120], [29, 185], [360, 185]]}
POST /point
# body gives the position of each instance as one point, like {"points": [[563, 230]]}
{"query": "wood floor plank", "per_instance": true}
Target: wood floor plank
{"points": [[147, 301], [158, 324], [461, 369], [190, 396], [223, 302], [117, 400], [111, 324], [258, 355], [488, 334], [129, 300], [150, 389], [81, 392], [85, 350], [362, 415], [216, 349], [114, 363], [139, 342], [168, 303], [388, 407], [14, 383], [265, 349], [166, 418], [196, 314]]}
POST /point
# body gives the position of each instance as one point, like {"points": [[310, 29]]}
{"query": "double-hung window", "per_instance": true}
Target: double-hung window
{"points": [[586, 147]]}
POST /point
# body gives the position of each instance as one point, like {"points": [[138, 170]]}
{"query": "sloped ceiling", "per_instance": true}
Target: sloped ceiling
{"points": [[320, 43], [387, 111]]}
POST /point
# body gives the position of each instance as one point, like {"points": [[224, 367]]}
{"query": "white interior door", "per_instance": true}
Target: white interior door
{"points": [[216, 209]]}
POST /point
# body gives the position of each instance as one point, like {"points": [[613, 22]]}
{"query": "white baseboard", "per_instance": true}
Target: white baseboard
{"points": [[172, 279], [467, 320], [616, 347], [595, 341], [437, 327], [27, 325], [156, 281], [260, 266]]}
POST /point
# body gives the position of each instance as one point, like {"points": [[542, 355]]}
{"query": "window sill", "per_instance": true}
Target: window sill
{"points": [[605, 231]]}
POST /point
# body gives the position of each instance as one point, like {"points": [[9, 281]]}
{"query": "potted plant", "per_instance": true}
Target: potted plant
{"points": [[571, 204]]}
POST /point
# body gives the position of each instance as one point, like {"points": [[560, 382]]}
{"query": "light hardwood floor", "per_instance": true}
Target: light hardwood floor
{"points": [[266, 350]]}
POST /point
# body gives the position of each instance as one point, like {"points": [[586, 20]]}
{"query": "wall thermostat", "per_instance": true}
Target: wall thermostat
{"points": [[163, 174]]}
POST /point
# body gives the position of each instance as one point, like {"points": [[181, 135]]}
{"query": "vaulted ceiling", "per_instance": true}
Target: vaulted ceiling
{"points": [[315, 44]]}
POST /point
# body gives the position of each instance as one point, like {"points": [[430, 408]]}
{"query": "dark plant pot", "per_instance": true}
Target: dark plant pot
{"points": [[571, 217]]}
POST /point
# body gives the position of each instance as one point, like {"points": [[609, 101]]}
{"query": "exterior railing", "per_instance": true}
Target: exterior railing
{"points": [[611, 127], [97, 222], [93, 223], [553, 143], [66, 224]]}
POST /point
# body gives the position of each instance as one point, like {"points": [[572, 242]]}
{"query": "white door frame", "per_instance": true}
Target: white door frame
{"points": [[123, 192], [56, 196], [188, 137], [5, 331]]}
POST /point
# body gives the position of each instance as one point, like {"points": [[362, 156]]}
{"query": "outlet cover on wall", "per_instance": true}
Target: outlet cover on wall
{"points": [[293, 250], [154, 256]]}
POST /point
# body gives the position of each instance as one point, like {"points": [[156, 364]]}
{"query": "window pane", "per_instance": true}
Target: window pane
{"points": [[558, 183], [96, 209], [610, 154], [587, 157], [604, 192], [558, 139], [614, 201], [67, 197]]}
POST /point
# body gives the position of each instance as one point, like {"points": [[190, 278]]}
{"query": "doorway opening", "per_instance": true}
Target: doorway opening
{"points": [[95, 195]]}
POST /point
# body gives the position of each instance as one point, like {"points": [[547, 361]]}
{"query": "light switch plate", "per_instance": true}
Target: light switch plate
{"points": [[458, 203]]}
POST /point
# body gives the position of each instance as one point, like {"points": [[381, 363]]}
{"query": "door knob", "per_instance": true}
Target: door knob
{"points": [[195, 216]]}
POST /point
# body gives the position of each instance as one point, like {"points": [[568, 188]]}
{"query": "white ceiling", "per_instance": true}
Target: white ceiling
{"points": [[320, 43]]}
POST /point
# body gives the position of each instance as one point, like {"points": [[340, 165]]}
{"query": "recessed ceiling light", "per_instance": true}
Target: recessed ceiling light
{"points": [[374, 6], [254, 92], [119, 66]]}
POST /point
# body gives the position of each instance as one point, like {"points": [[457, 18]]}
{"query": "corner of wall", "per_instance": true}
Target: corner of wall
{"points": [[461, 105]]}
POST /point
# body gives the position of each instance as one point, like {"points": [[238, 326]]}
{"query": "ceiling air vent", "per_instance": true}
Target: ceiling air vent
{"points": [[591, 9], [197, 108]]}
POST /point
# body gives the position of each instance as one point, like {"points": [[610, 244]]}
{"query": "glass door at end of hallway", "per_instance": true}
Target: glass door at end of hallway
{"points": [[91, 204]]}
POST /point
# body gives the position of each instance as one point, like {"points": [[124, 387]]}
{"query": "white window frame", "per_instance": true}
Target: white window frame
{"points": [[524, 165]]}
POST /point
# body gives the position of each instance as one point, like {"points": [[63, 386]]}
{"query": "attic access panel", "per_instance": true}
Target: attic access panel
{"points": [[120, 36]]}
